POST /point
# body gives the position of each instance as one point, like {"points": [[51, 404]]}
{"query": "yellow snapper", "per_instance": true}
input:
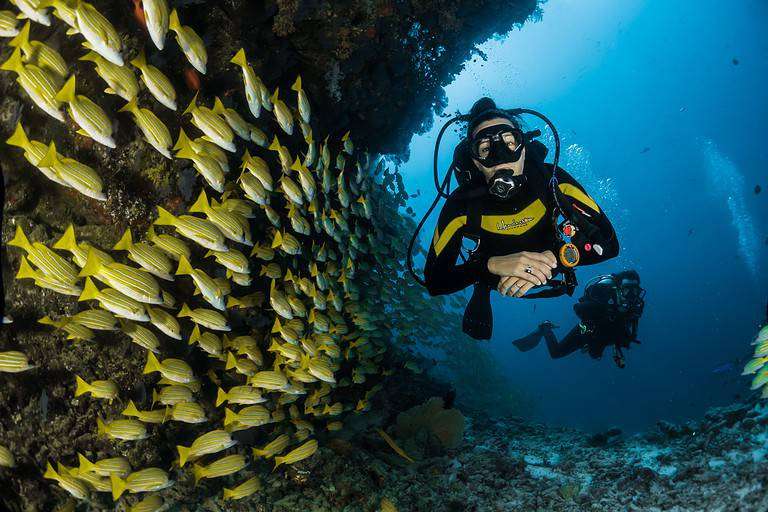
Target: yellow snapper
{"points": [[211, 291], [34, 151], [69, 483], [252, 416], [169, 244], [125, 430], [46, 281], [282, 152], [152, 416], [282, 113], [214, 127], [98, 319], [47, 260], [172, 395], [141, 336], [154, 130], [40, 54], [286, 242], [188, 412], [112, 466], [34, 10], [233, 119], [133, 282], [222, 467], [14, 361], [253, 188], [68, 242], [39, 85], [201, 231], [145, 480], [120, 80], [270, 380], [305, 178], [98, 389], [233, 260], [98, 31], [251, 81], [208, 342], [153, 502], [91, 119], [206, 165], [297, 454], [158, 84], [114, 301], [242, 366], [274, 447], [191, 43], [208, 443], [259, 168], [150, 258], [205, 317], [74, 330], [302, 100], [233, 226], [172, 369], [75, 174], [243, 490], [157, 17], [165, 322], [243, 395]]}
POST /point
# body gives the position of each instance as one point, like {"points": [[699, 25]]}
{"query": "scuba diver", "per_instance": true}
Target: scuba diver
{"points": [[609, 313], [509, 202]]}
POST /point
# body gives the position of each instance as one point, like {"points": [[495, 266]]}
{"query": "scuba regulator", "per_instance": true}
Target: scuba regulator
{"points": [[491, 146]]}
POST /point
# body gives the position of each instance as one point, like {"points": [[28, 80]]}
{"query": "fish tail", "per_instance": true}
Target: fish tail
{"points": [[155, 397], [18, 138], [14, 62], [90, 292], [50, 473], [296, 165], [91, 56], [92, 265], [239, 58], [345, 136], [297, 84], [164, 217], [192, 106], [20, 240], [199, 472], [51, 157], [22, 38], [183, 146], [101, 428], [275, 95], [118, 486], [67, 92], [86, 466], [131, 410], [275, 145], [140, 61], [173, 21], [233, 302], [229, 416], [228, 493], [231, 361], [195, 330], [25, 270], [278, 462], [184, 454], [81, 387], [185, 268], [132, 106], [221, 397], [125, 243], [153, 365], [218, 106], [278, 240], [201, 205], [67, 242]]}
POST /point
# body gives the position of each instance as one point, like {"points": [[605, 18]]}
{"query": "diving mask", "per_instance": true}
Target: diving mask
{"points": [[497, 144]]}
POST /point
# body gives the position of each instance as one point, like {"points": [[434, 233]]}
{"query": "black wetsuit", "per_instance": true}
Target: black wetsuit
{"points": [[594, 336], [521, 223]]}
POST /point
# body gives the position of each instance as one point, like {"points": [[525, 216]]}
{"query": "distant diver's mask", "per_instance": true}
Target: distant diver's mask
{"points": [[495, 145]]}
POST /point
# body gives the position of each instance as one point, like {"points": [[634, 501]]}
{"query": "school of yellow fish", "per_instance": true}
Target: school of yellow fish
{"points": [[312, 272]]}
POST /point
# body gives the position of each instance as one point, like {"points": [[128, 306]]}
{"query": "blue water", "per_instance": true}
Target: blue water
{"points": [[668, 132]]}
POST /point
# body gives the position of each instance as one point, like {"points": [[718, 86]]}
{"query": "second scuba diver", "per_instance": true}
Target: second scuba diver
{"points": [[609, 313], [508, 202]]}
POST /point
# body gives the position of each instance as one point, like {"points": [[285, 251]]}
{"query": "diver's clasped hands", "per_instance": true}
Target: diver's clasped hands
{"points": [[522, 271]]}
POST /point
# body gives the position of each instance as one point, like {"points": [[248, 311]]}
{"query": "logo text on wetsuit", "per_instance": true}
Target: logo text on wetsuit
{"points": [[504, 225]]}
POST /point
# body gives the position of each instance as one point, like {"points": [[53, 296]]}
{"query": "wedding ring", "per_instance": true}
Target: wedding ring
{"points": [[529, 270]]}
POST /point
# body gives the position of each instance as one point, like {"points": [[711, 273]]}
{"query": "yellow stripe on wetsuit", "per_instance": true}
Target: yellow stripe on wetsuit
{"points": [[440, 240], [576, 193]]}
